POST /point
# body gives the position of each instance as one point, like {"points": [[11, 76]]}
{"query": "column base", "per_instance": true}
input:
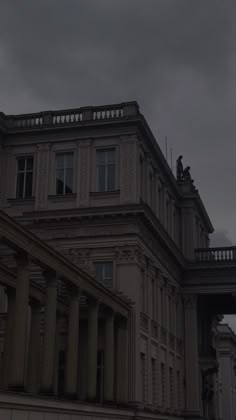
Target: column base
{"points": [[109, 402], [92, 400], [73, 396], [193, 416], [16, 388], [46, 392]]}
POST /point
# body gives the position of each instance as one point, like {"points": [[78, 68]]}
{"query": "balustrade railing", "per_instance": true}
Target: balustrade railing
{"points": [[222, 254], [70, 116]]}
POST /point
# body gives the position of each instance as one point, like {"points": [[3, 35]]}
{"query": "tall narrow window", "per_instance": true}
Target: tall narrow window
{"points": [[104, 273], [171, 387], [163, 385], [64, 173], [178, 390], [24, 182], [162, 307], [105, 170], [143, 376], [154, 383], [153, 300]]}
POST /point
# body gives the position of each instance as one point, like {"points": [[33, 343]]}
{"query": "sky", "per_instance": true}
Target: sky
{"points": [[177, 58]]}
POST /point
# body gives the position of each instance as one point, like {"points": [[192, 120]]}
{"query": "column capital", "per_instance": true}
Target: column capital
{"points": [[51, 278], [190, 301], [74, 291], [22, 258]]}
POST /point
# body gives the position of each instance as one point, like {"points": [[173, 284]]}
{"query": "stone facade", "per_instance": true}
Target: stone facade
{"points": [[144, 225], [226, 356]]}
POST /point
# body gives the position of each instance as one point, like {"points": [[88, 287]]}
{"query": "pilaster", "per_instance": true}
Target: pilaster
{"points": [[129, 170], [84, 170], [191, 356], [42, 176]]}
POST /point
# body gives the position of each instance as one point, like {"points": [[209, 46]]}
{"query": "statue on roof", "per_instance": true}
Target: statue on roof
{"points": [[186, 174], [179, 168]]}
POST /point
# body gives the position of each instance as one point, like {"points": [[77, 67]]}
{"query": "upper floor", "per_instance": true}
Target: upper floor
{"points": [[96, 157]]}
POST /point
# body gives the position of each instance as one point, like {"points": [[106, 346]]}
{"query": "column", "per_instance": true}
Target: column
{"points": [[8, 345], [109, 357], [34, 349], [92, 349], [19, 342], [122, 362], [191, 356], [71, 376], [49, 335]]}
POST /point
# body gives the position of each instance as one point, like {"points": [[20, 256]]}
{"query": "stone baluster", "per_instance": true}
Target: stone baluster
{"points": [[49, 334], [34, 348], [71, 377], [19, 342], [92, 348], [109, 357]]}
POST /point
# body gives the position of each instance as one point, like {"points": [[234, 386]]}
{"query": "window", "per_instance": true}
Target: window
{"points": [[143, 376], [104, 273], [178, 391], [154, 383], [64, 173], [163, 385], [105, 170], [24, 182], [153, 300], [171, 387]]}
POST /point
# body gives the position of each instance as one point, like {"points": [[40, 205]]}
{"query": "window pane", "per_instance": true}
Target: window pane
{"points": [[20, 185], [60, 161], [21, 164], [108, 269], [29, 164], [101, 170], [101, 156], [69, 160], [111, 156], [28, 184], [60, 182], [68, 181], [111, 178], [99, 272]]}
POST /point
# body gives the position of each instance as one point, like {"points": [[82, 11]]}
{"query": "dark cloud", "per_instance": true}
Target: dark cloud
{"points": [[176, 57]]}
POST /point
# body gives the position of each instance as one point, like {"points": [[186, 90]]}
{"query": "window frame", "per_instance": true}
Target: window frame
{"points": [[106, 148], [104, 262], [64, 153], [25, 171]]}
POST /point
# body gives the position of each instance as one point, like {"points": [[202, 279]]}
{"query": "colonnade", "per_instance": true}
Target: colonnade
{"points": [[29, 361]]}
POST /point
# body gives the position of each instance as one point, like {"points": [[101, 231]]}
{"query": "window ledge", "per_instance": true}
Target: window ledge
{"points": [[21, 200], [62, 197], [104, 194]]}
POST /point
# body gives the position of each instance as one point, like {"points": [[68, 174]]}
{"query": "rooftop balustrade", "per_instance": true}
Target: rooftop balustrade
{"points": [[68, 117], [219, 254]]}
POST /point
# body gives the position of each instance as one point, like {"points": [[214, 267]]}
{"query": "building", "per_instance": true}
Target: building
{"points": [[93, 185], [226, 356]]}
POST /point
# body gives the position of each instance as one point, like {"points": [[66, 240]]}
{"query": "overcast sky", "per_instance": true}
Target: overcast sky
{"points": [[177, 58]]}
